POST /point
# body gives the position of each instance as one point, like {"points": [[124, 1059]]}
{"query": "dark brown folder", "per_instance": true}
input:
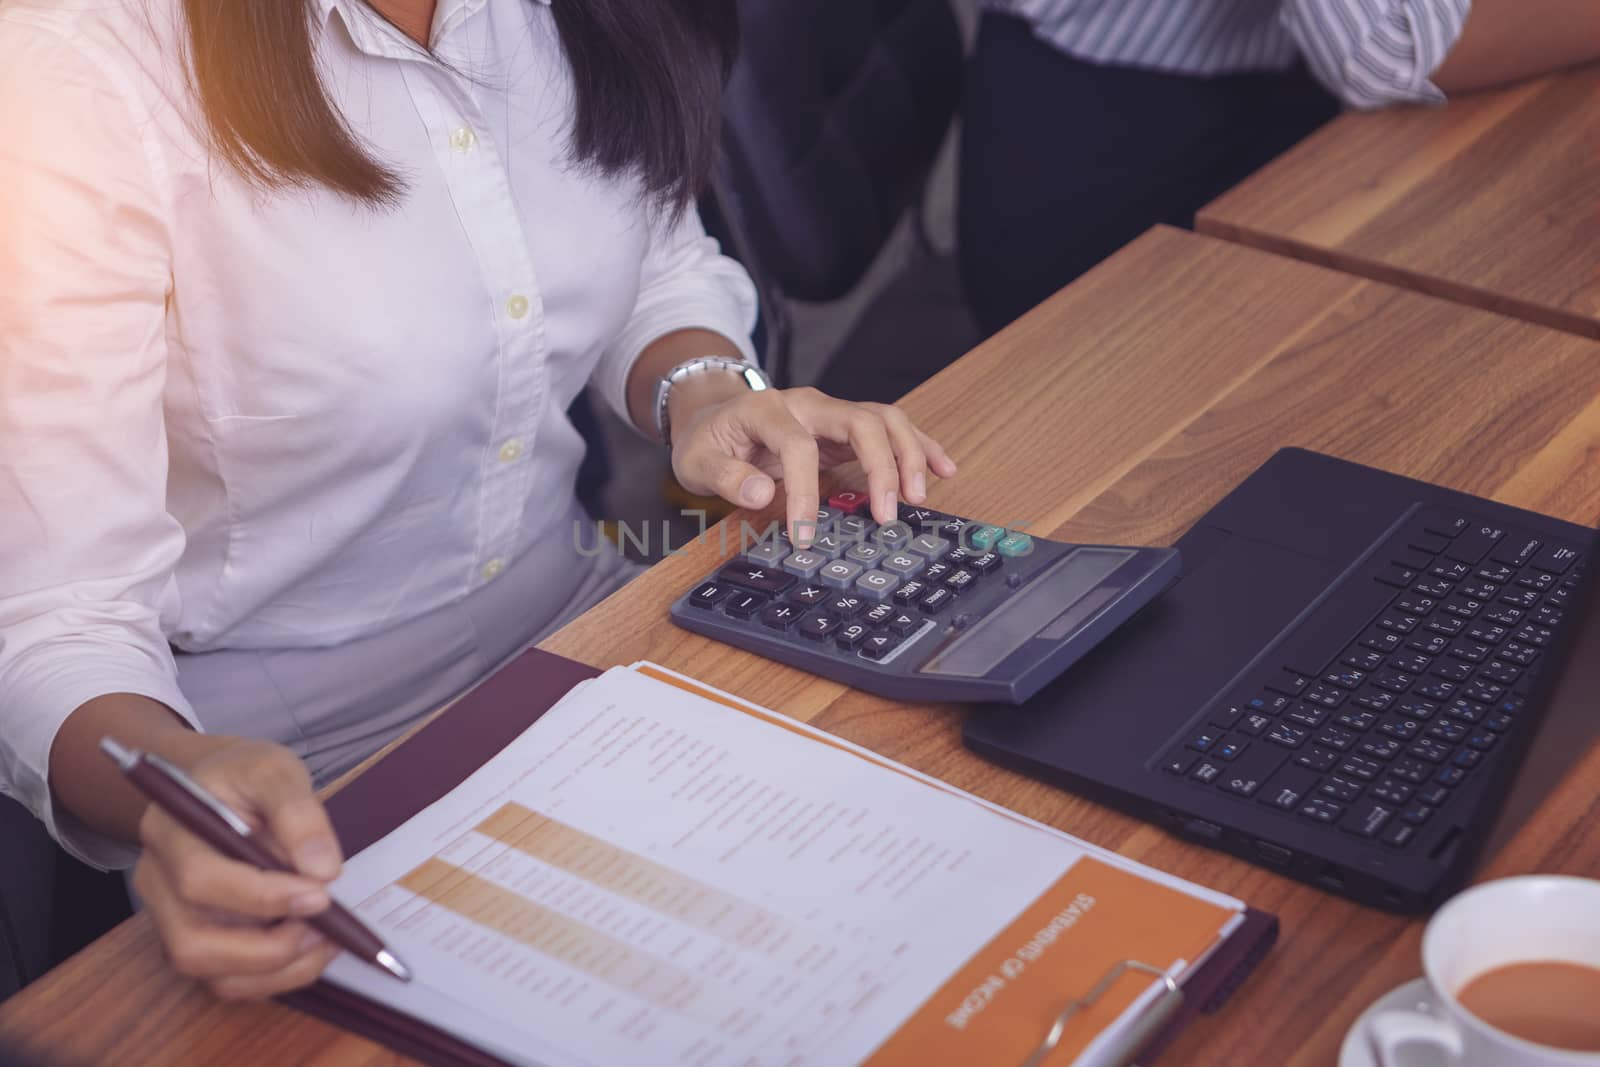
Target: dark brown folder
{"points": [[442, 754]]}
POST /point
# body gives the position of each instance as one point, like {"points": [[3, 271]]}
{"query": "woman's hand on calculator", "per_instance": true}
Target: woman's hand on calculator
{"points": [[739, 446]]}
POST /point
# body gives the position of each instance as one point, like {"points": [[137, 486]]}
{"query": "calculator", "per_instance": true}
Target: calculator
{"points": [[931, 607]]}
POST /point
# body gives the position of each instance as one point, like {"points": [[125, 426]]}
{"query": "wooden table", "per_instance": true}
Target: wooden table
{"points": [[1117, 412], [1493, 200]]}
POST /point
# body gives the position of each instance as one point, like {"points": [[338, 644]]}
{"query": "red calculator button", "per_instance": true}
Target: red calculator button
{"points": [[848, 502]]}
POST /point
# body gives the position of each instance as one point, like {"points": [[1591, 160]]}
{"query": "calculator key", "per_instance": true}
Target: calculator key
{"points": [[929, 546], [780, 616], [936, 601], [828, 518], [879, 644], [877, 584], [935, 573], [841, 573], [742, 604], [987, 563], [865, 554], [847, 606], [1014, 544], [910, 592], [829, 544], [756, 578], [708, 595], [854, 527], [808, 594], [893, 537], [958, 558], [818, 626], [768, 553], [902, 563], [850, 635], [878, 614], [902, 623], [960, 581], [984, 538], [849, 502], [954, 529], [805, 564], [917, 518]]}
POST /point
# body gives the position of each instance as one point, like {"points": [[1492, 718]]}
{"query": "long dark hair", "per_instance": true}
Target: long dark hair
{"points": [[648, 74]]}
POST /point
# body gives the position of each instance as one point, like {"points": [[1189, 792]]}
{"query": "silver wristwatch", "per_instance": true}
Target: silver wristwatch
{"points": [[753, 376]]}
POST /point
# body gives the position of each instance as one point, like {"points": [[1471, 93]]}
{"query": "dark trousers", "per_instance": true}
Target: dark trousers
{"points": [[1063, 161]]}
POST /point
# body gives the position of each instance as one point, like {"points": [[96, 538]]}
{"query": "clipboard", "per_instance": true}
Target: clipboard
{"points": [[442, 754]]}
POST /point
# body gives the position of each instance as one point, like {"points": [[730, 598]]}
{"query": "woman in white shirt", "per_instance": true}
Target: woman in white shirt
{"points": [[295, 297]]}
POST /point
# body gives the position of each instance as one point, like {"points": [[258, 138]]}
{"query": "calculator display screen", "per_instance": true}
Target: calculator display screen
{"points": [[1052, 606]]}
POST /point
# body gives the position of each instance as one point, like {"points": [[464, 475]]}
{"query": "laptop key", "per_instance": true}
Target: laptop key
{"points": [[1360, 767], [1254, 723], [1380, 748], [1288, 787], [1384, 640], [1376, 699], [1366, 818], [1399, 834], [1411, 770], [1356, 720], [1321, 810], [1288, 735], [1557, 559], [1180, 763], [1231, 747], [1475, 543], [1416, 813], [1448, 731], [1206, 771], [1392, 791], [1344, 790], [1290, 683], [1444, 523], [1317, 758], [1426, 748], [1433, 795], [1397, 576], [1449, 625], [1337, 739]]}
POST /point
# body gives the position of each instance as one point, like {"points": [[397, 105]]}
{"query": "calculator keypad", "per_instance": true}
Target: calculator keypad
{"points": [[862, 589]]}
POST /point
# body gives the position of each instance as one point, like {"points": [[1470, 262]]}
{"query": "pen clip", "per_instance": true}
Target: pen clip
{"points": [[1123, 1051], [190, 786]]}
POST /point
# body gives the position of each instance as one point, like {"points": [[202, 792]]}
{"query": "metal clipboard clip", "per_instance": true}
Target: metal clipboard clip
{"points": [[1121, 1052]]}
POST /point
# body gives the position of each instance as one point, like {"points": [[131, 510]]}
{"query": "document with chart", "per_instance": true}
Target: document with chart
{"points": [[657, 873]]}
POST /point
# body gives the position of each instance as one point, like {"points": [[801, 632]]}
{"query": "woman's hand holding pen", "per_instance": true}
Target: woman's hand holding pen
{"points": [[234, 927]]}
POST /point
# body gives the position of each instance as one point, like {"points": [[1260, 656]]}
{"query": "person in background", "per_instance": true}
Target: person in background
{"points": [[1086, 122], [296, 294]]}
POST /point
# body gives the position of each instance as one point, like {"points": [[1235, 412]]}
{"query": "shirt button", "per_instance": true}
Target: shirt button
{"points": [[517, 306], [510, 450], [492, 569], [463, 139]]}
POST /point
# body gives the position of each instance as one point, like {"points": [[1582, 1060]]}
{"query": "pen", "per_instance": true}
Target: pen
{"points": [[220, 827]]}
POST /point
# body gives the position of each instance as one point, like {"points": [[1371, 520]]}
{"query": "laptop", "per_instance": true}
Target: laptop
{"points": [[1340, 687]]}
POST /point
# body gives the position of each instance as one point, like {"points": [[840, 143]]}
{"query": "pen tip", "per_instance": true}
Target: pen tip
{"points": [[392, 964]]}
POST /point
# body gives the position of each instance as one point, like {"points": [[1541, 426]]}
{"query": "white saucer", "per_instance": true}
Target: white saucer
{"points": [[1413, 996]]}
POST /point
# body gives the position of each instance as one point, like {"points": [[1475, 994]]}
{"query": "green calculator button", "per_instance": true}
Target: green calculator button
{"points": [[985, 537], [1014, 544]]}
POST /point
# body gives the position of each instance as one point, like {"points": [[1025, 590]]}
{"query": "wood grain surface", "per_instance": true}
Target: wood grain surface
{"points": [[1492, 200], [1117, 412]]}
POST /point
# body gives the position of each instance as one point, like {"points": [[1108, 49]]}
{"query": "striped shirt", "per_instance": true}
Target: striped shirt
{"points": [[1370, 53]]}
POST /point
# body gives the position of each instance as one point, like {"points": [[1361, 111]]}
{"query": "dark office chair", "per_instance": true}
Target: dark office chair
{"points": [[834, 115], [50, 904]]}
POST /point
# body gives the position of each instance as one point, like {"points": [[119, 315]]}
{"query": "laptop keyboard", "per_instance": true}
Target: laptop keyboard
{"points": [[1378, 734]]}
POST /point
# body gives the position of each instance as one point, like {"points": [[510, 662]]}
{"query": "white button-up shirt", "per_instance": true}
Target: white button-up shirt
{"points": [[268, 420]]}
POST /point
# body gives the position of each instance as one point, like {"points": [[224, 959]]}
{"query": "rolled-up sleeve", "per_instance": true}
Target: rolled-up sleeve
{"points": [[685, 283], [1373, 53], [87, 547]]}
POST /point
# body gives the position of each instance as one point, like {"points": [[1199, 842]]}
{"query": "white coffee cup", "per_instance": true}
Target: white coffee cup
{"points": [[1513, 920]]}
